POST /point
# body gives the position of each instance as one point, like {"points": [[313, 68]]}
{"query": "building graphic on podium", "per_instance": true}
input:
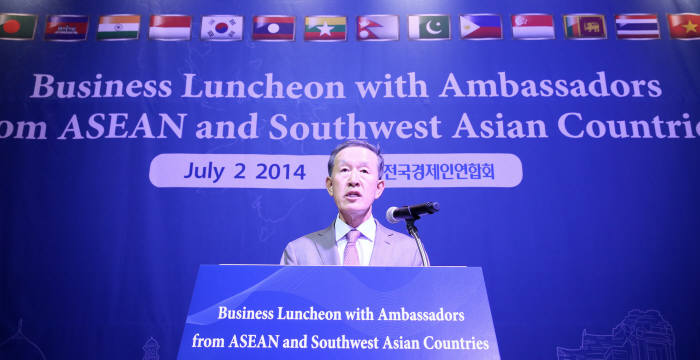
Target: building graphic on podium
{"points": [[150, 350], [641, 335]]}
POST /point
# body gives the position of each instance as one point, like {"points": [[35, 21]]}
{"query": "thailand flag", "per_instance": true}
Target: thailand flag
{"points": [[480, 26], [637, 26], [532, 26], [273, 28]]}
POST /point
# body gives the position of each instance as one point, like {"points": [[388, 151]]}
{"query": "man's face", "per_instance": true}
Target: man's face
{"points": [[354, 182]]}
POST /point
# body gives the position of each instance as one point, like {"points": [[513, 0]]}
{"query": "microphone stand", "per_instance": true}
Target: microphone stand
{"points": [[413, 230]]}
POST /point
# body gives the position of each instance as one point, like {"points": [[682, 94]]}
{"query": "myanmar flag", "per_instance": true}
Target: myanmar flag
{"points": [[324, 28], [17, 26]]}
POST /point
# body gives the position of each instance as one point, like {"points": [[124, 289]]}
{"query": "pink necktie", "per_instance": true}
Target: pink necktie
{"points": [[350, 256]]}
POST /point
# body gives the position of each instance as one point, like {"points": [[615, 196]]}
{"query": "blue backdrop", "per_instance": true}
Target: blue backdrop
{"points": [[600, 236]]}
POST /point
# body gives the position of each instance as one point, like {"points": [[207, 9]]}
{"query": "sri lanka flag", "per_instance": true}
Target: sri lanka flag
{"points": [[273, 28], [66, 27], [480, 26], [324, 28], [584, 26]]}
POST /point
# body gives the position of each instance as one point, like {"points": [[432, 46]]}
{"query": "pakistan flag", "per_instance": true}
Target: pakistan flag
{"points": [[429, 27]]}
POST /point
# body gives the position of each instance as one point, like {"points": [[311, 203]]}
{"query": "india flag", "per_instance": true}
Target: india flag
{"points": [[118, 27]]}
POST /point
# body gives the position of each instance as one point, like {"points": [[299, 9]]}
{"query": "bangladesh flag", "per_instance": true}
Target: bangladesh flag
{"points": [[17, 26], [429, 27]]}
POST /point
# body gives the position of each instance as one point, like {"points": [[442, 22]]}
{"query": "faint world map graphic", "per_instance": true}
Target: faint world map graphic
{"points": [[19, 346]]}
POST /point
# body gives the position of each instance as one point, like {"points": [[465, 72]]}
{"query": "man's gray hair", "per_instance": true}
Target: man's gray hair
{"points": [[360, 143]]}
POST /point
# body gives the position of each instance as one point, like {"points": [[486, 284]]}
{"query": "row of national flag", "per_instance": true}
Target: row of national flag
{"points": [[15, 26]]}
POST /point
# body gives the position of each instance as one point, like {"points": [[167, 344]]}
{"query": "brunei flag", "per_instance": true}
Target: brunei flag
{"points": [[17, 26], [118, 27], [325, 28]]}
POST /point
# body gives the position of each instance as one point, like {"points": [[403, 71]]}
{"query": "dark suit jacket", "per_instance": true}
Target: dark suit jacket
{"points": [[319, 248]]}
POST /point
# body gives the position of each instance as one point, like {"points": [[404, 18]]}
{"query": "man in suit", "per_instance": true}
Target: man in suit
{"points": [[355, 238]]}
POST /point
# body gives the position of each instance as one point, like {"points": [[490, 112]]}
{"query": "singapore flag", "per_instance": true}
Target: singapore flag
{"points": [[533, 26]]}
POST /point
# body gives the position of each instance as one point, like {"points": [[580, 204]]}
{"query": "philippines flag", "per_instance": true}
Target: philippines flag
{"points": [[637, 26], [170, 27], [66, 28], [532, 26], [273, 28], [480, 26]]}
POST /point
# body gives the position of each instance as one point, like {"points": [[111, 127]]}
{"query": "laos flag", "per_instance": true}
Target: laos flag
{"points": [[273, 28]]}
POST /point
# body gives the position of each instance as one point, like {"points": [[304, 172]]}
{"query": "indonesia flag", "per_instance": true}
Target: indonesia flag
{"points": [[532, 26], [170, 27]]}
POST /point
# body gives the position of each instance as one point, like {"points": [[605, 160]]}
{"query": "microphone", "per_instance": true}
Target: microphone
{"points": [[395, 214]]}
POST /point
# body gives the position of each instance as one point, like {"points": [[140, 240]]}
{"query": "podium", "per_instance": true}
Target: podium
{"points": [[338, 312]]}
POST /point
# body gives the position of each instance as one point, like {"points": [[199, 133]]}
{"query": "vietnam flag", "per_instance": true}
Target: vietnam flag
{"points": [[684, 26]]}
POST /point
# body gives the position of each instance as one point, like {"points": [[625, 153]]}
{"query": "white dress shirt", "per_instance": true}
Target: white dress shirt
{"points": [[365, 244]]}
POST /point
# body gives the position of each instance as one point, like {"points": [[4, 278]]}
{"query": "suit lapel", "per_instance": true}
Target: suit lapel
{"points": [[381, 252], [326, 245]]}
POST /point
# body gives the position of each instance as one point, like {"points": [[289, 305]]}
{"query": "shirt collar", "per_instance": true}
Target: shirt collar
{"points": [[367, 228]]}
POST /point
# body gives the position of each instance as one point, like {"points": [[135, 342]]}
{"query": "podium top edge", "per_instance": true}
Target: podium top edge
{"points": [[320, 266]]}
